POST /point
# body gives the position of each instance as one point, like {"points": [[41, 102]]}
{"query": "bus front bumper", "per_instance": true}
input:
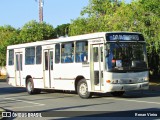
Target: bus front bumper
{"points": [[127, 87]]}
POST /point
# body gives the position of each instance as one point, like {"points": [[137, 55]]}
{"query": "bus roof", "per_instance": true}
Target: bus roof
{"points": [[66, 39]]}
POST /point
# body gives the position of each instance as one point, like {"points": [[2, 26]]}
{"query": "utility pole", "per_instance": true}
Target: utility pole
{"points": [[40, 11]]}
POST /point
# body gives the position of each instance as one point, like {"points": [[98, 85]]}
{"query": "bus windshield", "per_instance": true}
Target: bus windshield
{"points": [[126, 56]]}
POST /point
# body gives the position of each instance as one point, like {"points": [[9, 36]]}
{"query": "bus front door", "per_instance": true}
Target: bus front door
{"points": [[18, 68], [48, 68], [96, 66]]}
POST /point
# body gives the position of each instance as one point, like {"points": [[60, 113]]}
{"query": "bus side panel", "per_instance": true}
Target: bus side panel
{"points": [[11, 75], [66, 73], [36, 72], [10, 71]]}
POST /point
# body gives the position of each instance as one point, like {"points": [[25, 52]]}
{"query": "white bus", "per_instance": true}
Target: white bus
{"points": [[99, 62]]}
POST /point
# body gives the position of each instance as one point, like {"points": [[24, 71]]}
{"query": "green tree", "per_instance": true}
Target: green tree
{"points": [[34, 31], [30, 32], [62, 30], [8, 35], [78, 26], [98, 13], [151, 19]]}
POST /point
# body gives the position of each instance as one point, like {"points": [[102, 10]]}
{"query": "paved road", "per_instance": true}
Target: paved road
{"points": [[70, 104]]}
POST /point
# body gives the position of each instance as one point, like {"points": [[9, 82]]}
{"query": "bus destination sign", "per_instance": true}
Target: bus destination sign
{"points": [[124, 37]]}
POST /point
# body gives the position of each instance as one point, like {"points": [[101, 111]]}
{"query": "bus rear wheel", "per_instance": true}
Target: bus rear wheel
{"points": [[82, 89], [30, 87], [117, 93]]}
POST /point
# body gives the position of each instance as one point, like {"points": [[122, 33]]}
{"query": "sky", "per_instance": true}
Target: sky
{"points": [[56, 12]]}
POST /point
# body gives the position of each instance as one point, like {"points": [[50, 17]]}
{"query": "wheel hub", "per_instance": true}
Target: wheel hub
{"points": [[83, 89], [29, 86]]}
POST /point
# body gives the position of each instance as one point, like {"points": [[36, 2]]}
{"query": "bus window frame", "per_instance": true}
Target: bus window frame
{"points": [[34, 57], [68, 59], [39, 55], [85, 50], [59, 61], [11, 57]]}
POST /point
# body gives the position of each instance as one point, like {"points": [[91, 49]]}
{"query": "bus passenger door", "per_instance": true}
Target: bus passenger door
{"points": [[48, 68], [18, 69], [96, 66]]}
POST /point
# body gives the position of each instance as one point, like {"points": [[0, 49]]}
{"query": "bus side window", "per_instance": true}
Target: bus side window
{"points": [[30, 56], [67, 55], [81, 51], [11, 57], [46, 60], [38, 54], [57, 53]]}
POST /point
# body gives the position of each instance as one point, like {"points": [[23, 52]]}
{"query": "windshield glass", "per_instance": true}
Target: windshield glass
{"points": [[126, 56]]}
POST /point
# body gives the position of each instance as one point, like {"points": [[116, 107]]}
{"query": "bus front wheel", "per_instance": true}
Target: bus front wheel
{"points": [[82, 89]]}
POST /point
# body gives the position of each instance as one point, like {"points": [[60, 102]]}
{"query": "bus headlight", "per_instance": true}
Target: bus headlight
{"points": [[146, 79], [115, 81]]}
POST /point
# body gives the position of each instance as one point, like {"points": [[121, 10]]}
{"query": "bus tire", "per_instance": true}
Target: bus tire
{"points": [[30, 86], [82, 89], [117, 93]]}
